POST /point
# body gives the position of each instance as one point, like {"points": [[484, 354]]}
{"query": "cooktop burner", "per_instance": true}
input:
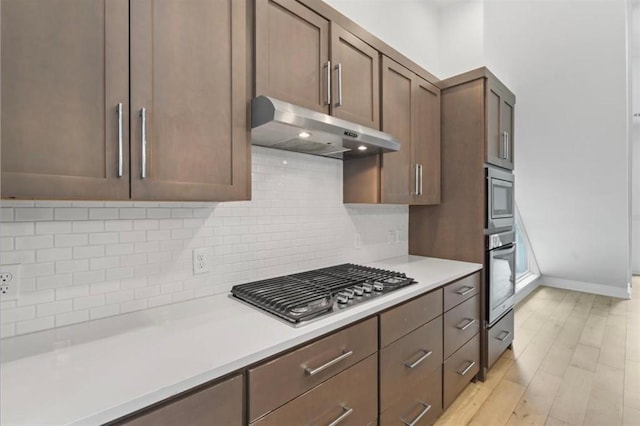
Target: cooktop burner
{"points": [[301, 297]]}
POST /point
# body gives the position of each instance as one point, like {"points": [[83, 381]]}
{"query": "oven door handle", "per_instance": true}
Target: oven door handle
{"points": [[505, 249]]}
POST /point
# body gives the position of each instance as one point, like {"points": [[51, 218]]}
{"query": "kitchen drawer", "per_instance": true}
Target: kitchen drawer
{"points": [[405, 363], [219, 404], [415, 400], [354, 391], [461, 324], [461, 290], [459, 369], [399, 321], [276, 382], [500, 337]]}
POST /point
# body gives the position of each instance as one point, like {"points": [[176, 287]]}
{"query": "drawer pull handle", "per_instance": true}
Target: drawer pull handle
{"points": [[504, 337], [415, 421], [418, 361], [469, 367], [465, 290], [469, 323], [347, 413], [313, 371]]}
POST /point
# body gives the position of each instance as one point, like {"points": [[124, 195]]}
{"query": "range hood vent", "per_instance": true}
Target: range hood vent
{"points": [[281, 125]]}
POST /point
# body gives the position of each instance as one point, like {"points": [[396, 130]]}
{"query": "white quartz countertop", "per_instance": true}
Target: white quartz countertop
{"points": [[99, 371]]}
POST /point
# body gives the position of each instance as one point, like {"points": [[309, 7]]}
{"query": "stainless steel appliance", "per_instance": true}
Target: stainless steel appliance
{"points": [[501, 274], [301, 297], [281, 125], [500, 196]]}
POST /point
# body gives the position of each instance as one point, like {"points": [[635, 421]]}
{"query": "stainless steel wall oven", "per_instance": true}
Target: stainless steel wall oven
{"points": [[501, 274]]}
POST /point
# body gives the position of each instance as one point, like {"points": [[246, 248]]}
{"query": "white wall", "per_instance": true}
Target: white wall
{"points": [[566, 62], [87, 260], [409, 26]]}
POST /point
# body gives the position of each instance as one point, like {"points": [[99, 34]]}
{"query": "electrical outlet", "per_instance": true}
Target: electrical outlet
{"points": [[9, 282], [357, 242], [200, 261]]}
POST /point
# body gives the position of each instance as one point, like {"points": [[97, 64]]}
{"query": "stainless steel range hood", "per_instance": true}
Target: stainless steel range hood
{"points": [[281, 125]]}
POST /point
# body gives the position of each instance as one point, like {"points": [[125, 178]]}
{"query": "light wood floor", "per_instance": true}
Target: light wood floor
{"points": [[575, 361]]}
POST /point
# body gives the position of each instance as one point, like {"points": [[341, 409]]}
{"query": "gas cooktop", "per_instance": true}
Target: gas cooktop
{"points": [[308, 295]]}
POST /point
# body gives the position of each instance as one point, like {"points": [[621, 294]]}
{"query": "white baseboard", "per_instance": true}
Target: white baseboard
{"points": [[586, 287], [527, 289]]}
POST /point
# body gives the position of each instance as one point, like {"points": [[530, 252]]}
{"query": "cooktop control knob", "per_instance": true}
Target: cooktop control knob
{"points": [[367, 287], [349, 292], [378, 286], [358, 290], [343, 299]]}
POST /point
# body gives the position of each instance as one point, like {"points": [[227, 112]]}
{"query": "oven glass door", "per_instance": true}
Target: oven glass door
{"points": [[502, 280], [501, 199]]}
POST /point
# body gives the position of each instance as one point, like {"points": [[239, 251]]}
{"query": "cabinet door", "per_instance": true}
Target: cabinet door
{"points": [[425, 158], [65, 70], [189, 75], [500, 143], [494, 148], [397, 101], [292, 54], [506, 127], [356, 80], [220, 404]]}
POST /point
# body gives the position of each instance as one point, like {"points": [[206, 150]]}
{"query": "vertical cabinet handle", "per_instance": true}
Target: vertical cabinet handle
{"points": [[119, 112], [328, 83], [508, 147], [417, 180], [339, 68], [503, 153], [143, 139], [421, 180], [414, 422], [347, 413]]}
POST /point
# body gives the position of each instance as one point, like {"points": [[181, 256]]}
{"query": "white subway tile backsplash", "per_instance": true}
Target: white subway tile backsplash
{"points": [[53, 308], [54, 281], [34, 242], [30, 214], [13, 229], [106, 258], [44, 228], [49, 255], [17, 314], [86, 302], [71, 213], [24, 327], [71, 318], [70, 240]]}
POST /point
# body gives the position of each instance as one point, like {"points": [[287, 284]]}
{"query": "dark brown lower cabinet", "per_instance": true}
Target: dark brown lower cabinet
{"points": [[418, 405], [220, 404], [500, 338], [351, 396], [459, 369], [406, 363]]}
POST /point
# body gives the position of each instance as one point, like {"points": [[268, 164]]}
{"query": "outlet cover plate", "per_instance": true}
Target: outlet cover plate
{"points": [[9, 282], [201, 259]]}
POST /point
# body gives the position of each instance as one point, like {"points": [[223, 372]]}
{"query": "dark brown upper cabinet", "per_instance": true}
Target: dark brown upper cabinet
{"points": [[72, 122], [356, 82], [500, 104], [189, 100], [292, 54], [305, 59], [425, 149], [410, 108], [65, 99]]}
